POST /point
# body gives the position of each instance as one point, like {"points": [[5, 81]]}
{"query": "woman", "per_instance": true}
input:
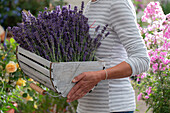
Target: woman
{"points": [[125, 55]]}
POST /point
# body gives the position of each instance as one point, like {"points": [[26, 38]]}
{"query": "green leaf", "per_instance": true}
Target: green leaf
{"points": [[12, 41], [136, 109], [24, 95], [31, 93]]}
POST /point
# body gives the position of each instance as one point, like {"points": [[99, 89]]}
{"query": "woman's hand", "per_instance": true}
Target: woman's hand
{"points": [[84, 83]]}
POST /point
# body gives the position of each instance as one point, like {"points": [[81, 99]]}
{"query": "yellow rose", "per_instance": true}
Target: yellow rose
{"points": [[21, 82], [30, 79], [17, 65], [2, 57], [29, 98], [35, 106], [11, 67]]}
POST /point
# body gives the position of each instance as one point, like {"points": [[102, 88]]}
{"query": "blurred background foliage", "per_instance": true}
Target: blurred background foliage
{"points": [[10, 10]]}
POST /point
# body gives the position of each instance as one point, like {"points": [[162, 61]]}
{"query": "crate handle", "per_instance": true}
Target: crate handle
{"points": [[37, 88]]}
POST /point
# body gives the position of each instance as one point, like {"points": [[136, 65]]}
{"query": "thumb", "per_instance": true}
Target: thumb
{"points": [[78, 78]]}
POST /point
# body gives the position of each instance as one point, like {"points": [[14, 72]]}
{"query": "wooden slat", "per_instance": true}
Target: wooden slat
{"points": [[38, 80], [33, 65], [34, 57], [35, 73]]}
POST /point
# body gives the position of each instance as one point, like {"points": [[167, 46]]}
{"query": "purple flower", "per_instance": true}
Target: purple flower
{"points": [[97, 28], [107, 34], [82, 5], [58, 35], [85, 55]]}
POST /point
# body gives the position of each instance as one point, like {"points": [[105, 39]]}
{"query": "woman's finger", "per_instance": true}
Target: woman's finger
{"points": [[79, 77], [74, 89], [77, 94]]}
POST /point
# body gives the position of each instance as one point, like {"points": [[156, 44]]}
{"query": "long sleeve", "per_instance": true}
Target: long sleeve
{"points": [[123, 22]]}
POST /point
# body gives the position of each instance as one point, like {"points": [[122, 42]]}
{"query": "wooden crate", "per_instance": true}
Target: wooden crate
{"points": [[57, 76]]}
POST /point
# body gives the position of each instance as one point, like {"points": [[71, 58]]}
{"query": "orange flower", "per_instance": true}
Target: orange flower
{"points": [[17, 65], [2, 57], [30, 79], [21, 82], [11, 67]]}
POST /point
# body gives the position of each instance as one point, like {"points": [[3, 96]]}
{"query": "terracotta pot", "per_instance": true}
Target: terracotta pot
{"points": [[12, 110]]}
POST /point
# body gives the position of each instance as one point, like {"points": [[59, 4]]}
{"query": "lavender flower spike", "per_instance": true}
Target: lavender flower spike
{"points": [[58, 35]]}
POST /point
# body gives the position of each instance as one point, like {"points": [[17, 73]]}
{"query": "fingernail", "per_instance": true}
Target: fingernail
{"points": [[74, 80], [67, 100]]}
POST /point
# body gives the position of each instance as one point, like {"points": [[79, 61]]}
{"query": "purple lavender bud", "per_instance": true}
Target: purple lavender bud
{"points": [[62, 49], [80, 11], [45, 8], [76, 45], [58, 9], [97, 28], [9, 29], [99, 36], [95, 41], [98, 44], [24, 16], [70, 51], [104, 28], [82, 5], [79, 50], [84, 57], [69, 6], [85, 47], [81, 39], [75, 9], [67, 46], [107, 34], [102, 31], [47, 57]]}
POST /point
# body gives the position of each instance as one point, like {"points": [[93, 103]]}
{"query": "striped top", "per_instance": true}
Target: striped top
{"points": [[123, 44]]}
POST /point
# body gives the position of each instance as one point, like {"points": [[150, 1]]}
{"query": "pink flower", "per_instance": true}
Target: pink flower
{"points": [[153, 59], [163, 53], [155, 67], [139, 96], [153, 11], [146, 97], [168, 16], [160, 57], [143, 75], [150, 88], [160, 66], [166, 61], [149, 91]]}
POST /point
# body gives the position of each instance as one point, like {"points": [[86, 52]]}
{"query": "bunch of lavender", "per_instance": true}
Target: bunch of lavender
{"points": [[58, 35]]}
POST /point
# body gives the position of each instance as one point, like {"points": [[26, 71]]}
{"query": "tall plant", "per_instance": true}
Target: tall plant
{"points": [[154, 85]]}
